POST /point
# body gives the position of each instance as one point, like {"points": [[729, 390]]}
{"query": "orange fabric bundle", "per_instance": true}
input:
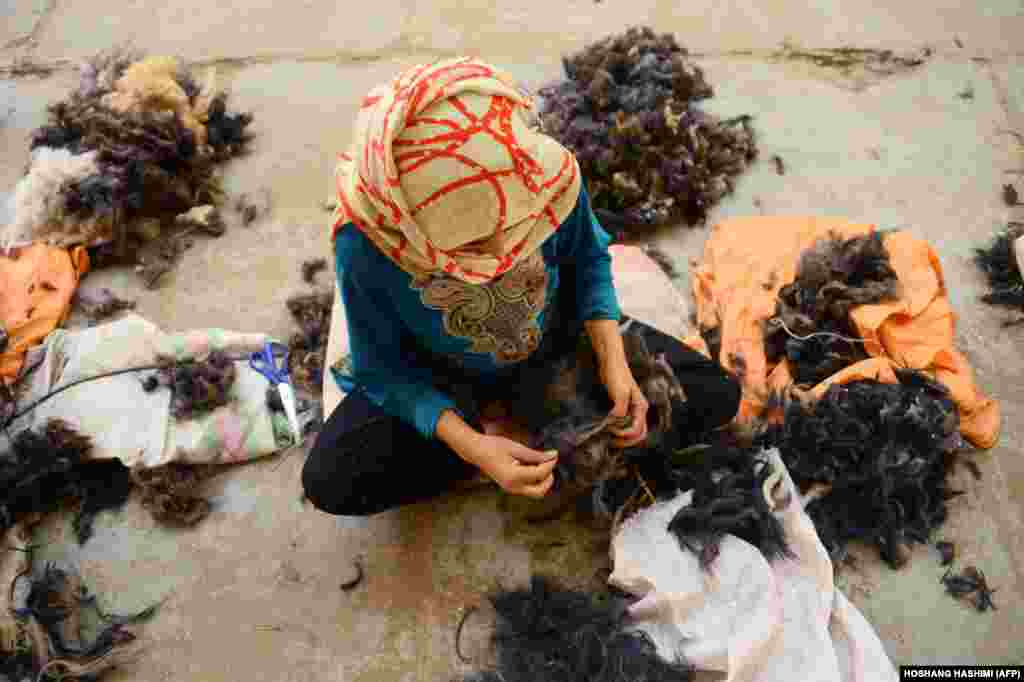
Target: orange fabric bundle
{"points": [[37, 283], [746, 262]]}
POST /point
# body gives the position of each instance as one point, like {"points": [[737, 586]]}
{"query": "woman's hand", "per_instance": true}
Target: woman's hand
{"points": [[515, 467], [618, 380], [629, 400]]}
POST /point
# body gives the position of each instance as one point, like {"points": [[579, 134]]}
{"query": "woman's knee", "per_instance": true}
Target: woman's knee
{"points": [[338, 471], [331, 486]]}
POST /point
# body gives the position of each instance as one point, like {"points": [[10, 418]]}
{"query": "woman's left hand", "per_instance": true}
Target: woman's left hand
{"points": [[629, 400]]}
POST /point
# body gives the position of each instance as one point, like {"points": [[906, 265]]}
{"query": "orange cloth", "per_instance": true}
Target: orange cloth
{"points": [[37, 283], [747, 260]]}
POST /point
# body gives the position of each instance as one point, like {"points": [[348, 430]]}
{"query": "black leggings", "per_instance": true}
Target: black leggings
{"points": [[365, 461]]}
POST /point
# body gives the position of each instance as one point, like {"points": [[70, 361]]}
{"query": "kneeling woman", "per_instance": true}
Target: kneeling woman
{"points": [[465, 244]]}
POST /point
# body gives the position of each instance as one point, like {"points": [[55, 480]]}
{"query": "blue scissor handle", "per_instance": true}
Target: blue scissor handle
{"points": [[265, 362]]}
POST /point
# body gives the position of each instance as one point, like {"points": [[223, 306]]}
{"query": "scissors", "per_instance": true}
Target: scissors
{"points": [[265, 362]]}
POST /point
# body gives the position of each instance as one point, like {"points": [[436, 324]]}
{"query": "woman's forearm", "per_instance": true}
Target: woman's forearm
{"points": [[607, 342], [463, 439]]}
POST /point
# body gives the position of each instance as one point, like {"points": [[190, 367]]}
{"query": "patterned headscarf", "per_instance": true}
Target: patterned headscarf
{"points": [[446, 176]]}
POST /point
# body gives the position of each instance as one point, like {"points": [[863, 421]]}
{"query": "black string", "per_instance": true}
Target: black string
{"points": [[105, 375]]}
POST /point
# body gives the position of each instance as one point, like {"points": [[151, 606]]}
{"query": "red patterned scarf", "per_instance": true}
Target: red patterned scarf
{"points": [[446, 176]]}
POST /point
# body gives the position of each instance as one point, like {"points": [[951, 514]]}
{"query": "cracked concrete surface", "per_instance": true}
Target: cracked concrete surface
{"points": [[254, 592]]}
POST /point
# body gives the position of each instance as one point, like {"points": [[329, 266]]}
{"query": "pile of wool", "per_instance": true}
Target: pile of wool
{"points": [[881, 452], [41, 469], [833, 277], [254, 206], [137, 141], [45, 469], [735, 491], [127, 82], [970, 585], [98, 75], [547, 633], [104, 485], [999, 263], [565, 407], [307, 348], [628, 110], [157, 262], [42, 202], [49, 643], [101, 304], [149, 167], [169, 494], [197, 387], [152, 84]]}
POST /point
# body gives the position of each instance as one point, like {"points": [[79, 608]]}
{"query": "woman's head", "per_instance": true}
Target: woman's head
{"points": [[446, 175]]}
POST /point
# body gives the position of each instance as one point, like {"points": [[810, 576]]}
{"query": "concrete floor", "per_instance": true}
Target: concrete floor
{"points": [[253, 593]]}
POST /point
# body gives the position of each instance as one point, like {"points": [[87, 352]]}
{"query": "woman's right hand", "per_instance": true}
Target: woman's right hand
{"points": [[515, 467]]}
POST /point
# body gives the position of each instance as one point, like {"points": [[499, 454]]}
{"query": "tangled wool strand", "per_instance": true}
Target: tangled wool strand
{"points": [[831, 335]]}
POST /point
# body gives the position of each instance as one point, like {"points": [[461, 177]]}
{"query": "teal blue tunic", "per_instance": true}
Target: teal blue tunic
{"points": [[485, 329]]}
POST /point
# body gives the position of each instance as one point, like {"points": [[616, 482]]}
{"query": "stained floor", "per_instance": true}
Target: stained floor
{"points": [[254, 592]]}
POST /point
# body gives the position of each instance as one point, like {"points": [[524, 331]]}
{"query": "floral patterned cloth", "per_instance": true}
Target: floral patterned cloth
{"points": [[126, 422]]}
